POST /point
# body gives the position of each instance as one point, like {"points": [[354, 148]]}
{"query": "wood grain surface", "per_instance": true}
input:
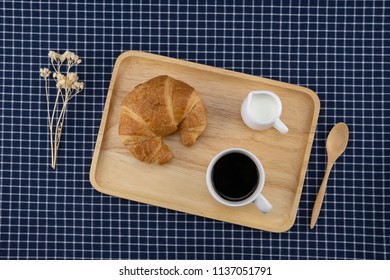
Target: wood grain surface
{"points": [[180, 184]]}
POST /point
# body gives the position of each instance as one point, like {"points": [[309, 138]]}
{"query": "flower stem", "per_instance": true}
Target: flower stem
{"points": [[48, 117], [59, 126], [67, 87], [54, 149]]}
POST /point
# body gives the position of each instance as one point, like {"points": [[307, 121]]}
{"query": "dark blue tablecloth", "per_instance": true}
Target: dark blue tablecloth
{"points": [[339, 49]]}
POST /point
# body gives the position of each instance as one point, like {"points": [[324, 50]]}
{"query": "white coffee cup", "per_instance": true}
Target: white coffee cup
{"points": [[261, 109], [240, 156]]}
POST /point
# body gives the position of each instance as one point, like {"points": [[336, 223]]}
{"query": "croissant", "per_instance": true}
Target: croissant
{"points": [[156, 108]]}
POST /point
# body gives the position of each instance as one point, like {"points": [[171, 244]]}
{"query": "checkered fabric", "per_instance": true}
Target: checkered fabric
{"points": [[339, 49]]}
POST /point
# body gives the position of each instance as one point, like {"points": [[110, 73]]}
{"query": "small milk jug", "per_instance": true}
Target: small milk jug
{"points": [[261, 109]]}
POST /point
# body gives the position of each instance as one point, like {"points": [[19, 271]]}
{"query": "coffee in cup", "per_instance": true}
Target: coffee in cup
{"points": [[235, 177]]}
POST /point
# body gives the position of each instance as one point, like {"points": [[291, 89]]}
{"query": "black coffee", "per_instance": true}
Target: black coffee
{"points": [[235, 176]]}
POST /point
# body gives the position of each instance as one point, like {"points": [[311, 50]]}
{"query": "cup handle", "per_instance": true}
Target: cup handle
{"points": [[279, 125], [263, 204]]}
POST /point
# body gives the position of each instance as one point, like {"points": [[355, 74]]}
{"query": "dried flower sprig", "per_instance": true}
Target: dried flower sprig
{"points": [[68, 86]]}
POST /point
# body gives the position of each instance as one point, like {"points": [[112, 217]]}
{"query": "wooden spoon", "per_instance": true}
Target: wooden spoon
{"points": [[335, 145]]}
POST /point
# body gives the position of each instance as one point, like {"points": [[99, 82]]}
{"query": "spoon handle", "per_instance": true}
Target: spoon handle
{"points": [[320, 197]]}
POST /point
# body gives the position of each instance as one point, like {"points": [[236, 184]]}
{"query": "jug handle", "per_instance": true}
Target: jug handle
{"points": [[279, 125]]}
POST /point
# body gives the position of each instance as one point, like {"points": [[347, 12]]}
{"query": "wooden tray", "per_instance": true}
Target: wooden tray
{"points": [[180, 185]]}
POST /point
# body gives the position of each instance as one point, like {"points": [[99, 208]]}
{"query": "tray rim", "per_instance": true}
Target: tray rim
{"points": [[140, 54]]}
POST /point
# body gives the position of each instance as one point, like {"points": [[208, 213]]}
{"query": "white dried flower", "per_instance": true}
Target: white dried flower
{"points": [[60, 84], [60, 76], [45, 73], [52, 54], [78, 86], [61, 81], [65, 54], [68, 86], [71, 78], [62, 58], [69, 55], [74, 58]]}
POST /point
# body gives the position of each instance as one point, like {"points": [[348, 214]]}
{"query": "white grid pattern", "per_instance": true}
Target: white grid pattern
{"points": [[338, 49]]}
